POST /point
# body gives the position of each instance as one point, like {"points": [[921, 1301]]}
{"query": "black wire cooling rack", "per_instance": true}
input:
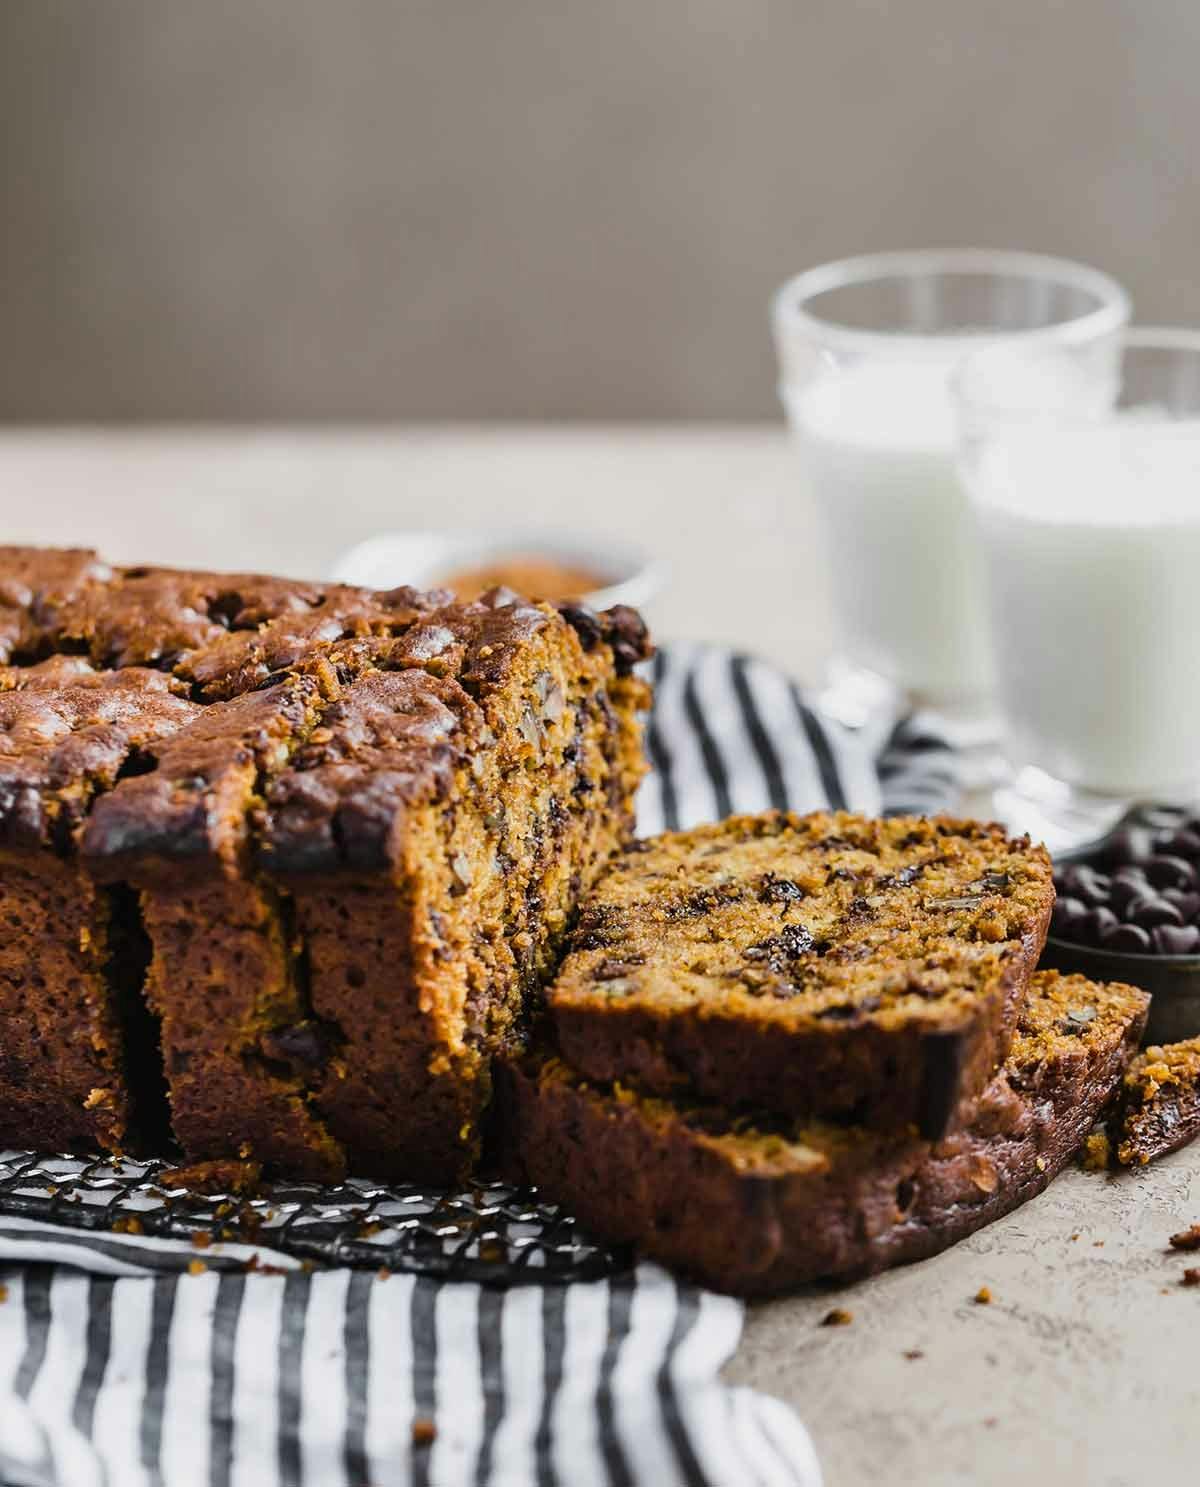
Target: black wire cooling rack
{"points": [[491, 1232]]}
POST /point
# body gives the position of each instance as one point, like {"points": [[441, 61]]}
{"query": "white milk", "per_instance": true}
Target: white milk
{"points": [[1091, 543], [878, 445]]}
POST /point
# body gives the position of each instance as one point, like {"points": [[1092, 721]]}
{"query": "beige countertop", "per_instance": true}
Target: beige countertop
{"points": [[1082, 1368]]}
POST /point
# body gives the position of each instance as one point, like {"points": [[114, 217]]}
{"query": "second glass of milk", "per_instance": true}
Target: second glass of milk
{"points": [[1085, 483], [867, 348]]}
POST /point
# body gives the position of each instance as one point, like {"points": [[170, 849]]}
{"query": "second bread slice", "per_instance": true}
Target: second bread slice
{"points": [[758, 1205]]}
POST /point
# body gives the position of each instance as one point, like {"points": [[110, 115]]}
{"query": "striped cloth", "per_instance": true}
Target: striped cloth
{"points": [[121, 1366]]}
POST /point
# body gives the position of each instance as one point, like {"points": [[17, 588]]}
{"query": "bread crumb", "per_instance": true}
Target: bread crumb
{"points": [[424, 1432], [912, 1354], [3, 1294], [128, 1225], [1187, 1238], [983, 1297], [1190, 1277], [201, 1239], [1097, 1152], [838, 1317], [383, 1273], [196, 1267]]}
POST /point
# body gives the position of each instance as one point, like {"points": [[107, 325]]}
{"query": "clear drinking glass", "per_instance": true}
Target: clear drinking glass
{"points": [[1083, 473], [866, 348]]}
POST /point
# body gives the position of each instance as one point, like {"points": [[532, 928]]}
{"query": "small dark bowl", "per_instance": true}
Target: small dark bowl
{"points": [[1172, 980]]}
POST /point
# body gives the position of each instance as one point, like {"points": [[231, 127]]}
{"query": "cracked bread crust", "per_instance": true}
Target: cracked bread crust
{"points": [[758, 1204], [153, 616], [391, 743], [34, 580], [823, 964], [190, 810], [60, 747], [57, 672]]}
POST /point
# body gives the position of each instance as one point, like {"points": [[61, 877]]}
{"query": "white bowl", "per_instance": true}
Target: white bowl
{"points": [[426, 559]]}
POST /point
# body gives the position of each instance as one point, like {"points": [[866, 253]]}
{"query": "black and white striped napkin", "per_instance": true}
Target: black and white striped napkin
{"points": [[127, 1360]]}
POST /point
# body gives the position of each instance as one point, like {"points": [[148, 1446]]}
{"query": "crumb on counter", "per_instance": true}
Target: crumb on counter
{"points": [[983, 1297], [1187, 1238], [838, 1317]]}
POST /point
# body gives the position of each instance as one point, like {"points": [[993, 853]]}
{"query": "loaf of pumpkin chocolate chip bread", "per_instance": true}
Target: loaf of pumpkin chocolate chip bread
{"points": [[818, 965], [344, 833], [757, 1203]]}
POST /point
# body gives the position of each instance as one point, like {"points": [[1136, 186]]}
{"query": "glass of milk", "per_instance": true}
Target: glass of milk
{"points": [[1084, 480], [866, 350]]}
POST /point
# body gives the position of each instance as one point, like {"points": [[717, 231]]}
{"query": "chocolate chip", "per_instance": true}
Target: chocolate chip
{"points": [[1129, 938], [848, 1011], [1125, 891], [775, 890], [1130, 845], [585, 622], [1187, 902], [1171, 872], [1091, 928], [1086, 883], [1149, 912], [780, 950], [1183, 843], [1067, 914], [1172, 939], [304, 1043], [614, 970]]}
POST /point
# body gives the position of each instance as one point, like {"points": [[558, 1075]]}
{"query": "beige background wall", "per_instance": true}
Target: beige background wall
{"points": [[269, 209]]}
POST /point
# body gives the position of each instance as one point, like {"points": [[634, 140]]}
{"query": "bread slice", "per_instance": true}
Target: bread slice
{"points": [[756, 1204], [821, 965], [223, 979], [433, 838], [1159, 1110], [74, 1043]]}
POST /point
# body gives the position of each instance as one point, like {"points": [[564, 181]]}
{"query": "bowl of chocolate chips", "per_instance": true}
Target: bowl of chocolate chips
{"points": [[1128, 909]]}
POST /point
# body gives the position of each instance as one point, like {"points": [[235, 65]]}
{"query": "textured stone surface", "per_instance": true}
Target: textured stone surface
{"points": [[1081, 1369]]}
